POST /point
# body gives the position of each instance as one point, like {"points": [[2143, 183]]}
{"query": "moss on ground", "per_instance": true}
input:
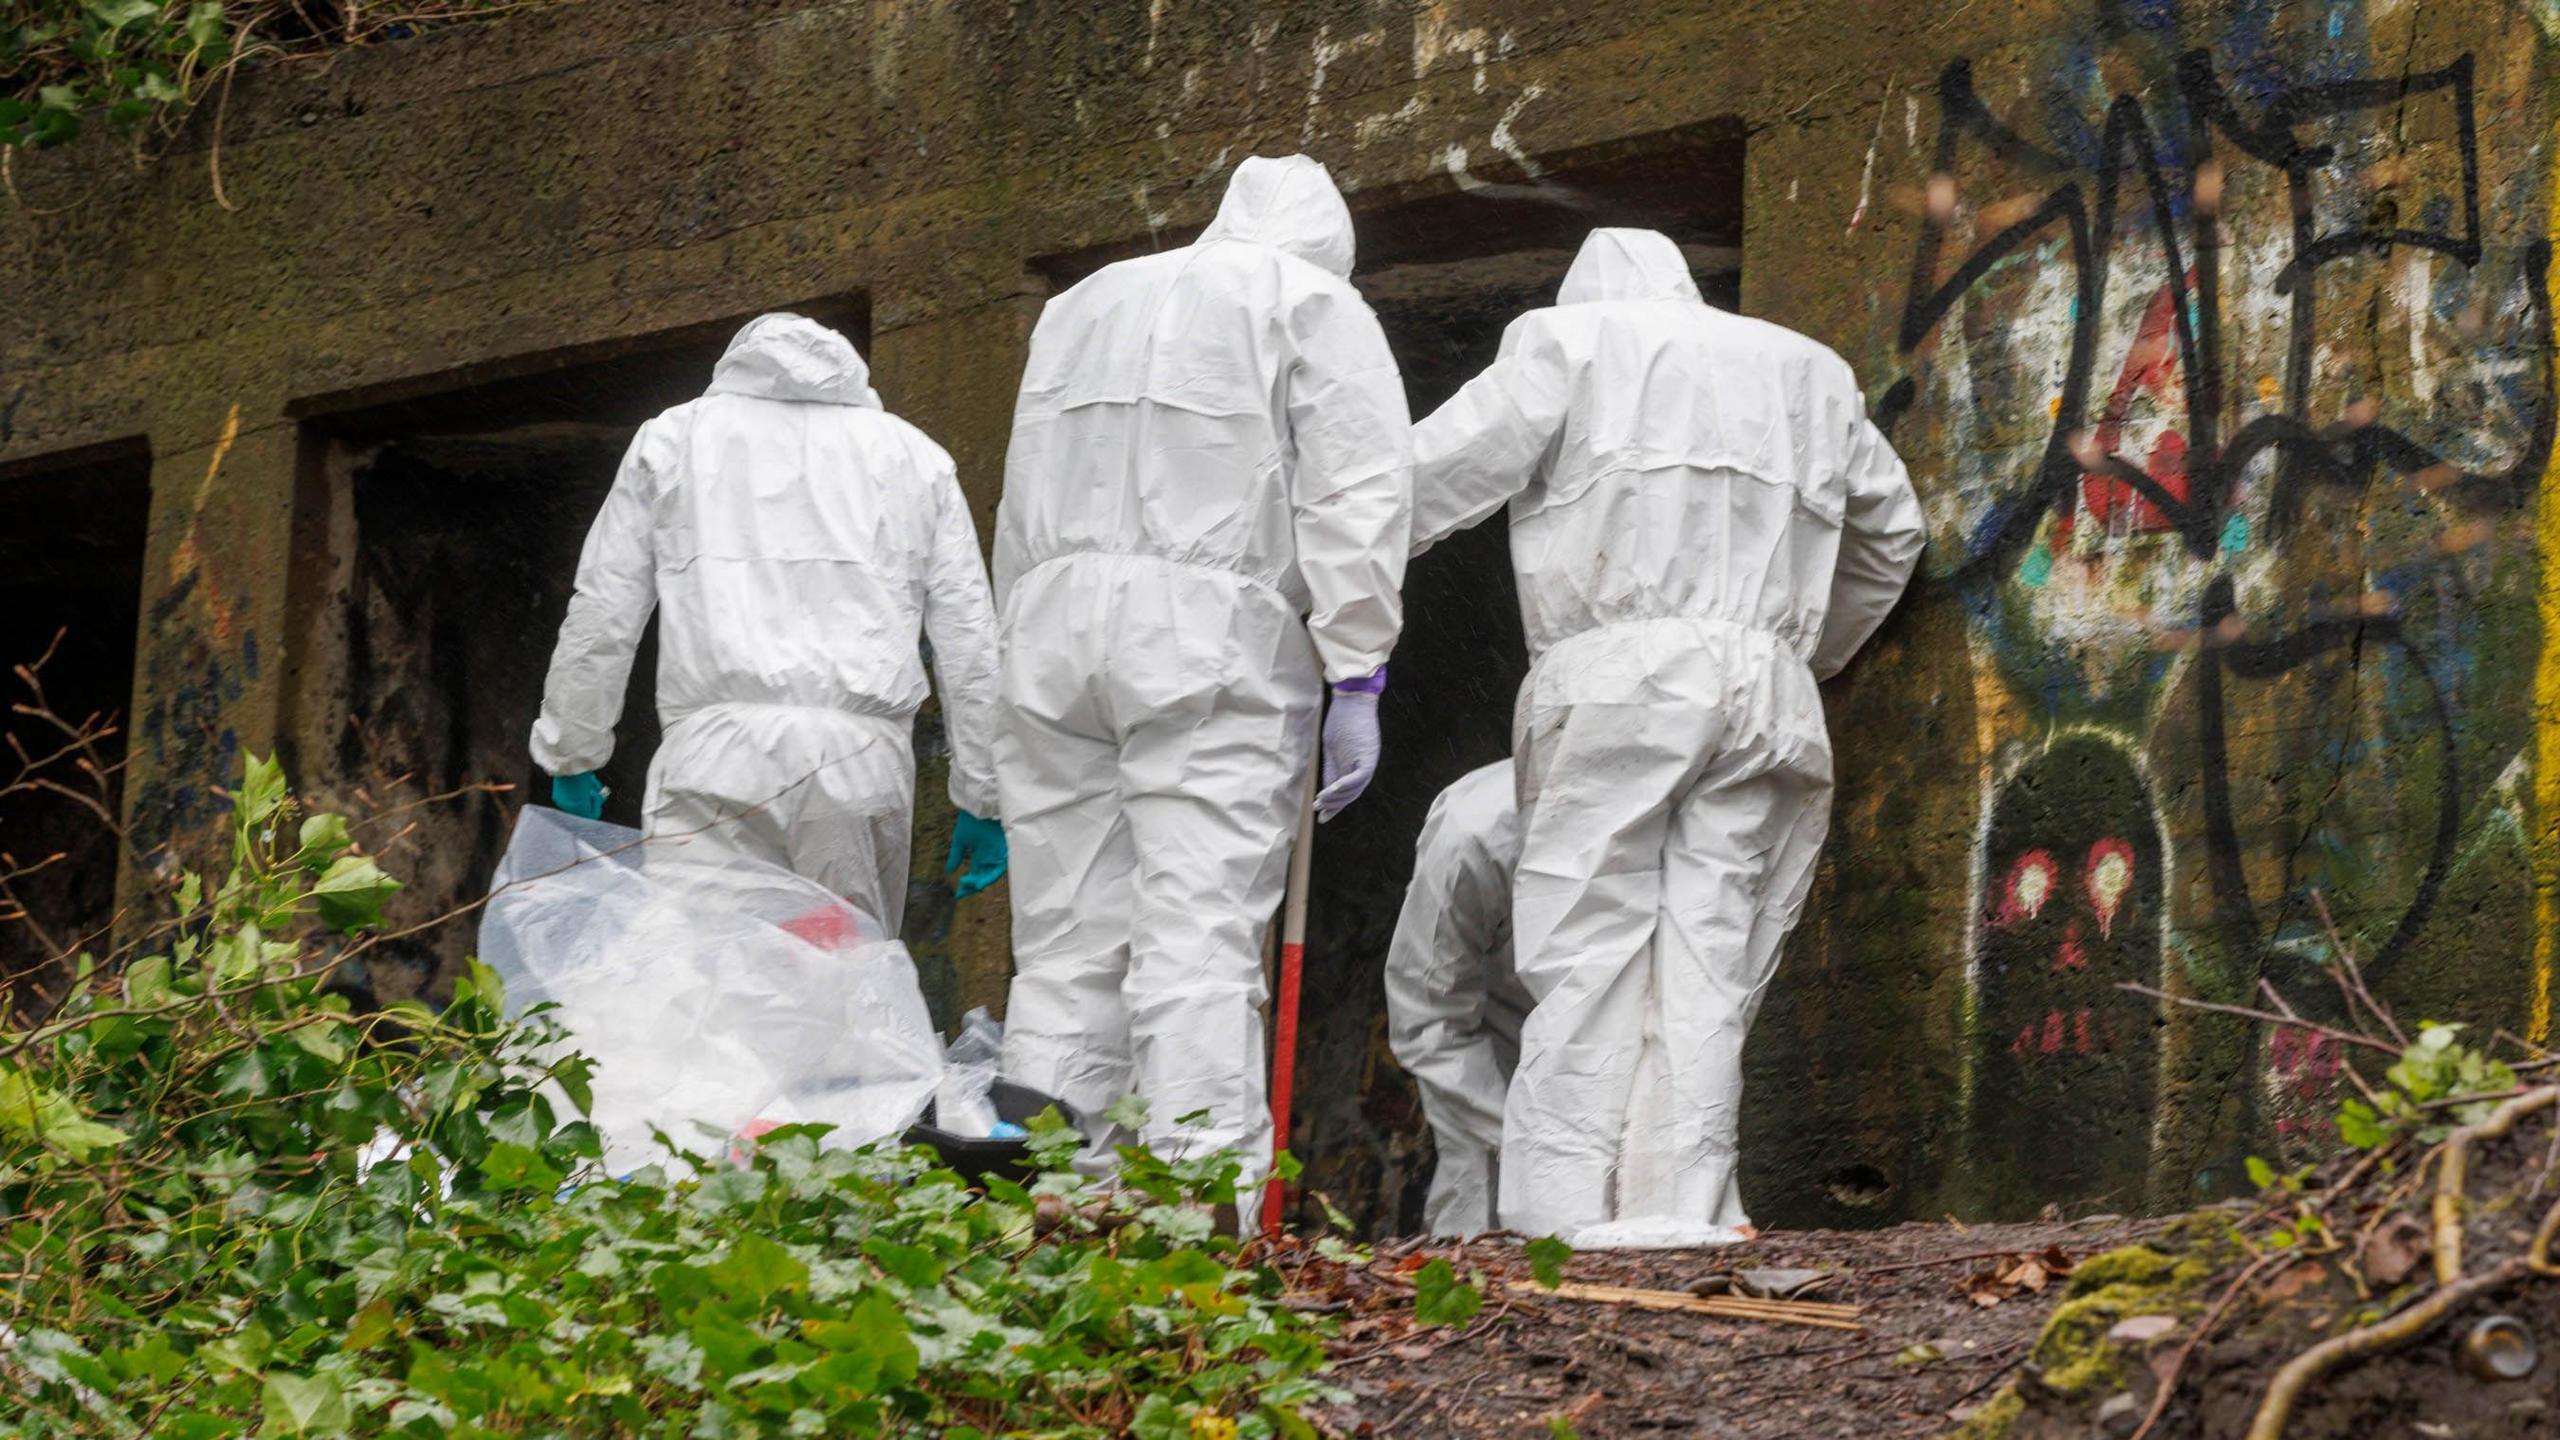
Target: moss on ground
{"points": [[2073, 1362], [1993, 1420]]}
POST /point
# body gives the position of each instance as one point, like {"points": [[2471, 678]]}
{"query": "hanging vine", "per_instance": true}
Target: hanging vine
{"points": [[141, 66]]}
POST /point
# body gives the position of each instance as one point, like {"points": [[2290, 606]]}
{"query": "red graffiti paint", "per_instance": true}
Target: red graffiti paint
{"points": [[2151, 373], [2108, 877], [2072, 956], [2031, 882]]}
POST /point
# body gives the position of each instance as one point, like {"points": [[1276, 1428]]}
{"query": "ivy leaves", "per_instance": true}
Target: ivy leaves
{"points": [[257, 1211], [125, 59], [141, 63]]}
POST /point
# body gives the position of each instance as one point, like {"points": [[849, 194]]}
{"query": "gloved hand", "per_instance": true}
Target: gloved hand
{"points": [[978, 844], [580, 795], [1350, 742]]}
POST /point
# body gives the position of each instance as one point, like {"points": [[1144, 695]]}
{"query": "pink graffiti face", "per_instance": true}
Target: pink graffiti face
{"points": [[2035, 881], [2070, 910]]}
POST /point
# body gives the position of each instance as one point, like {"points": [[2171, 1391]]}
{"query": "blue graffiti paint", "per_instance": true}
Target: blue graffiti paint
{"points": [[2257, 72], [2235, 533], [1986, 531], [2159, 17]]}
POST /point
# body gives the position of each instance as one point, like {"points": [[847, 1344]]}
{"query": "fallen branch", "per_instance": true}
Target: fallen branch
{"points": [[2320, 1359], [1723, 1307], [2449, 1175]]}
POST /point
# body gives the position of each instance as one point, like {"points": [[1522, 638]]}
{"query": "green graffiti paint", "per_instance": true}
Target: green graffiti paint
{"points": [[2037, 568]]}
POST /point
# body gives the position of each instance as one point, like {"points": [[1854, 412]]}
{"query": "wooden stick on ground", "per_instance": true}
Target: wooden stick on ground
{"points": [[1722, 1307]]}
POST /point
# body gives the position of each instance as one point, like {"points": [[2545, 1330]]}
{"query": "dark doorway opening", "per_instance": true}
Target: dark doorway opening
{"points": [[1446, 267], [70, 611], [438, 533]]}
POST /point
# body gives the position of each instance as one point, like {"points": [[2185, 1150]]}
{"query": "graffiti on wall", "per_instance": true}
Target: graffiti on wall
{"points": [[2072, 871], [2224, 396], [199, 658]]}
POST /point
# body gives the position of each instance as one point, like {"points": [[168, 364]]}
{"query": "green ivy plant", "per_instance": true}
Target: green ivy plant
{"points": [[142, 64], [2424, 1091], [231, 1205]]}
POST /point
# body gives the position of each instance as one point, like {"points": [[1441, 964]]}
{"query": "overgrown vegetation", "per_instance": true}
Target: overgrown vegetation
{"points": [[2350, 1257], [230, 1205], [141, 65]]}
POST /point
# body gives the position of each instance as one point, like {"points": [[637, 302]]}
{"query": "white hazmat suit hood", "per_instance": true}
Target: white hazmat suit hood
{"points": [[1702, 523], [794, 540], [1291, 205], [790, 357], [1627, 265], [1207, 509]]}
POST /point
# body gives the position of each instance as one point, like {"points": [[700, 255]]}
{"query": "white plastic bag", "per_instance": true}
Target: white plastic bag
{"points": [[969, 1066], [718, 996]]}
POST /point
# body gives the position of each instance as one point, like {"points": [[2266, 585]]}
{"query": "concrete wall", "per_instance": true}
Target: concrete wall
{"points": [[2217, 336]]}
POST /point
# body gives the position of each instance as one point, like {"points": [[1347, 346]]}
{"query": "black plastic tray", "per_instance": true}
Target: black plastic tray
{"points": [[979, 1155]]}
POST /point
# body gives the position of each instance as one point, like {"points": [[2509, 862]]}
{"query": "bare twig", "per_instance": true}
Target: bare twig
{"points": [[2344, 1037], [2178, 1363], [2351, 975]]}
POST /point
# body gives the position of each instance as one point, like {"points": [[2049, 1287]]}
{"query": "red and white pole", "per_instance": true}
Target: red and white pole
{"points": [[1284, 1039]]}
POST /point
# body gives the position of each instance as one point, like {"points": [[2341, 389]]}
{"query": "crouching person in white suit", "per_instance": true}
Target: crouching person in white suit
{"points": [[1454, 1005]]}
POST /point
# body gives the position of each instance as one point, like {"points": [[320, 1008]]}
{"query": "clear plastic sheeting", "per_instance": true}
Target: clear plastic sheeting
{"points": [[964, 1105], [718, 996]]}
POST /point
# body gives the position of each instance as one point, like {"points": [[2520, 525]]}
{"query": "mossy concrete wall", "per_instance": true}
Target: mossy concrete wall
{"points": [[2217, 335]]}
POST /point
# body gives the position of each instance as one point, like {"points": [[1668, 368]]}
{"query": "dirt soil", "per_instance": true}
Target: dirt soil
{"points": [[1928, 1352], [2048, 1331]]}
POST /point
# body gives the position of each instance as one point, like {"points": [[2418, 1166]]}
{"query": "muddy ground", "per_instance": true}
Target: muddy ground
{"points": [[1610, 1369], [2048, 1331]]}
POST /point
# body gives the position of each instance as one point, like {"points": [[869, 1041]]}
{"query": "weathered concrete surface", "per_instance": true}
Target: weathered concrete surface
{"points": [[2293, 639]]}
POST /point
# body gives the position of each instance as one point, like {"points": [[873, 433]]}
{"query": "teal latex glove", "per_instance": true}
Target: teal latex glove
{"points": [[580, 795], [978, 845]]}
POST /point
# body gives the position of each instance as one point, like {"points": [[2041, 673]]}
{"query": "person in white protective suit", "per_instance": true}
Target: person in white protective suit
{"points": [[1211, 443], [1454, 1004], [1703, 524], [794, 538]]}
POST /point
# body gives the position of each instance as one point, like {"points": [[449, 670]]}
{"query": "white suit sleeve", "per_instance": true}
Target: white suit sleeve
{"points": [[1492, 438], [1351, 480], [617, 587], [960, 620], [1880, 537], [1457, 914]]}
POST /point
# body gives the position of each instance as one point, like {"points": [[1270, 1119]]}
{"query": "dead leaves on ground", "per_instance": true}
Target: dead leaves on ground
{"points": [[2023, 1273]]}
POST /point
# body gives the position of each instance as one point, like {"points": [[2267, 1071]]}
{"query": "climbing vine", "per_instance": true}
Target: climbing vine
{"points": [[140, 66]]}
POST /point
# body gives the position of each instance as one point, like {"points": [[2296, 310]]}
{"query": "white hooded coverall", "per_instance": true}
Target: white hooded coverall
{"points": [[794, 537], [1703, 523], [1454, 1004], [1211, 443]]}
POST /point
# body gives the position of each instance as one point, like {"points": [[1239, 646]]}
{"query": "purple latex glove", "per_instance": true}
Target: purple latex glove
{"points": [[1350, 742]]}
